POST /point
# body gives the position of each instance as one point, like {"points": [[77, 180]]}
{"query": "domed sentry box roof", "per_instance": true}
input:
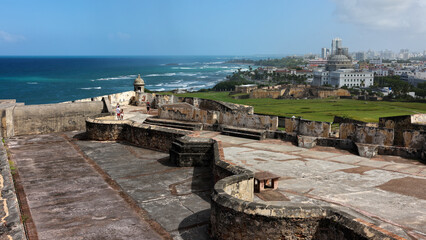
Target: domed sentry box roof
{"points": [[139, 84]]}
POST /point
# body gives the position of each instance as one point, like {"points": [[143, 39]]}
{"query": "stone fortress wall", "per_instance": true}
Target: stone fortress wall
{"points": [[234, 215], [297, 91], [20, 119], [47, 118], [394, 135], [401, 135]]}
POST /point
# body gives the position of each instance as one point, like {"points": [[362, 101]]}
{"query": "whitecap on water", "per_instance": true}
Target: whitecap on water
{"points": [[90, 88], [161, 75], [116, 78]]}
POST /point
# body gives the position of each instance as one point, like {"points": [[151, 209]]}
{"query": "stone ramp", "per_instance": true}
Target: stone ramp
{"points": [[67, 197]]}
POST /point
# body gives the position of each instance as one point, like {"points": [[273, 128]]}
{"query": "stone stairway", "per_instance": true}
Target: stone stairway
{"points": [[244, 132]]}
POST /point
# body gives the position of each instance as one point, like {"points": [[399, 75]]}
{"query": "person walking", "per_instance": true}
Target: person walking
{"points": [[118, 111], [121, 114], [148, 106]]}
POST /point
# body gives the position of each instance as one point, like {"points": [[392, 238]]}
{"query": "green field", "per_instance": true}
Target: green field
{"points": [[320, 109]]}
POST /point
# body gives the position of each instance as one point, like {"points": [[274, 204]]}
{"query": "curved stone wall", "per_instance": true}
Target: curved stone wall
{"points": [[234, 215]]}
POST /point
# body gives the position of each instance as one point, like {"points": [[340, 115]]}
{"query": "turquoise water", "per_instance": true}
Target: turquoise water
{"points": [[40, 80]]}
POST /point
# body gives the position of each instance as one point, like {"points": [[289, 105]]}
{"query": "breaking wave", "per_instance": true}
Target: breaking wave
{"points": [[161, 75], [116, 78], [90, 88]]}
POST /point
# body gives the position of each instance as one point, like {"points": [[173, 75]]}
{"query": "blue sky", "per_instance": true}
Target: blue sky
{"points": [[198, 27]]}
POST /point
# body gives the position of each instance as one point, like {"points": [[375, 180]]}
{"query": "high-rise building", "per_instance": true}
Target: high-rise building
{"points": [[345, 51], [336, 43], [325, 52]]}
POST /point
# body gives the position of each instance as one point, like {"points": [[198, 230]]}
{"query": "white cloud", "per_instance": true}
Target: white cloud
{"points": [[387, 15], [8, 37]]}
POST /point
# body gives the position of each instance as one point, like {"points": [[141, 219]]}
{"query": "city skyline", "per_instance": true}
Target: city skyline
{"points": [[209, 28]]}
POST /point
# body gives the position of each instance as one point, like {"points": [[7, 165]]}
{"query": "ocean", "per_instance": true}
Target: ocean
{"points": [[41, 80]]}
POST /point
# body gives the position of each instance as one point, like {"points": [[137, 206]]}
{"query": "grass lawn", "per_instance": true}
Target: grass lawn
{"points": [[320, 109]]}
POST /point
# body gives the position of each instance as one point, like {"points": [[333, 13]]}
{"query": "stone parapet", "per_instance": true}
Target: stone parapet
{"points": [[414, 139], [10, 224], [187, 112], [373, 135], [402, 123], [147, 136]]}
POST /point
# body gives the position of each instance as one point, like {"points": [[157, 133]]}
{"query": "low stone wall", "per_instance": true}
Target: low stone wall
{"points": [[260, 93], [10, 224], [223, 107], [414, 139], [307, 127], [186, 112], [402, 123], [372, 135], [314, 128], [164, 99], [146, 136], [248, 121], [122, 98], [292, 125], [347, 130], [48, 118]]}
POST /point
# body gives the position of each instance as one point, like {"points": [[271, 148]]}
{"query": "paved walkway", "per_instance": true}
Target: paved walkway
{"points": [[390, 190], [178, 198], [67, 197]]}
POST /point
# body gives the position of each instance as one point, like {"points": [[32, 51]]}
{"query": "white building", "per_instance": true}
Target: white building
{"points": [[402, 71], [321, 77], [414, 78], [351, 78]]}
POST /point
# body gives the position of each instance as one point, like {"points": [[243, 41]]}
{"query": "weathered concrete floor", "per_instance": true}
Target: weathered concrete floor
{"points": [[177, 198], [390, 190], [67, 197]]}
